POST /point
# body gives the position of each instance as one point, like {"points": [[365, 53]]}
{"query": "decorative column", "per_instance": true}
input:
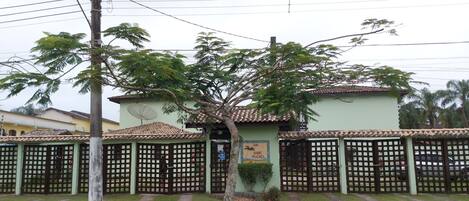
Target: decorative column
{"points": [[19, 168], [76, 168], [411, 166], [133, 169], [208, 172], [342, 167]]}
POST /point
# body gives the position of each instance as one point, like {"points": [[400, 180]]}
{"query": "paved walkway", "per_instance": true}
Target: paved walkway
{"points": [[293, 197], [148, 197], [365, 197], [185, 197]]}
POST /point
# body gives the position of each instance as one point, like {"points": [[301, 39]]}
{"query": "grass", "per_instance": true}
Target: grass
{"points": [[207, 197]]}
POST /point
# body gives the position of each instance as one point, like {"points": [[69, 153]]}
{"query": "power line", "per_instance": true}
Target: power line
{"points": [[408, 44], [38, 10], [37, 17], [38, 23], [248, 5], [30, 4], [198, 25], [409, 59]]}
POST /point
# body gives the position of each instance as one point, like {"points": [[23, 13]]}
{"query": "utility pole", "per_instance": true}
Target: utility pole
{"points": [[95, 191]]}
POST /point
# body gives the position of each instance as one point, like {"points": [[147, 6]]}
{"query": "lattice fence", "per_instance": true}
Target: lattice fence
{"points": [[324, 166], [441, 165], [220, 158], [8, 168], [294, 160], [47, 169], [376, 166], [116, 168], [152, 168]]}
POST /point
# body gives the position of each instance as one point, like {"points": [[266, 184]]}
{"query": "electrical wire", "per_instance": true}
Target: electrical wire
{"points": [[38, 23], [41, 16], [38, 10], [30, 4], [408, 44], [198, 25]]}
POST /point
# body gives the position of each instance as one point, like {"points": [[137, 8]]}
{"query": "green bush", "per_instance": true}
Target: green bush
{"points": [[273, 194], [251, 172]]}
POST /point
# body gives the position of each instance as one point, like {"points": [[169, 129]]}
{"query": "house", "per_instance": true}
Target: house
{"points": [[13, 124], [81, 120], [338, 108]]}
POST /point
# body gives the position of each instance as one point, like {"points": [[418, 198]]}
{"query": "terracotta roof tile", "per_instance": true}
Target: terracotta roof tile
{"points": [[42, 132], [352, 89], [152, 131], [243, 115], [424, 133]]}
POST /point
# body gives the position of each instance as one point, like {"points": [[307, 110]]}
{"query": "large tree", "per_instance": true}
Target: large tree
{"points": [[275, 79], [458, 92]]}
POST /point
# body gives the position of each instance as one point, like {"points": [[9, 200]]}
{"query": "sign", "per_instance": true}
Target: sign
{"points": [[255, 152], [221, 153]]}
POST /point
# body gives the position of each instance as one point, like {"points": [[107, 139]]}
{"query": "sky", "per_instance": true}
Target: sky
{"points": [[304, 21]]}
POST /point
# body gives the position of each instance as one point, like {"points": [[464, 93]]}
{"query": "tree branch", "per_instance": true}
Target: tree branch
{"points": [[344, 36]]}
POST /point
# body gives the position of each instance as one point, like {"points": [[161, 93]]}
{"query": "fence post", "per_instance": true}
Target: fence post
{"points": [[76, 168], [411, 166], [208, 162], [19, 168], [342, 167], [133, 169]]}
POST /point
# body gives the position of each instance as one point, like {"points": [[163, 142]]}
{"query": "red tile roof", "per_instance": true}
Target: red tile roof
{"points": [[353, 89], [152, 131], [242, 115], [426, 133]]}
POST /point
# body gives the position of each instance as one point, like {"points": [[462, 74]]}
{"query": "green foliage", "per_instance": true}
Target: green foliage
{"points": [[442, 108], [130, 33], [273, 194], [28, 109], [250, 173]]}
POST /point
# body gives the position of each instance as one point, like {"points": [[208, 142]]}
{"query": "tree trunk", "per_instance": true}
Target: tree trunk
{"points": [[233, 164], [464, 117], [95, 182]]}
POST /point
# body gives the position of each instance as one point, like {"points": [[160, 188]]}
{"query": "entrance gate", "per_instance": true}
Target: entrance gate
{"points": [[219, 160], [376, 166], [171, 168], [309, 166], [47, 169]]}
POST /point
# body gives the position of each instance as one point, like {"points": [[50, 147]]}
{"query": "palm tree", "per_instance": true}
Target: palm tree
{"points": [[411, 116], [458, 92], [429, 102]]}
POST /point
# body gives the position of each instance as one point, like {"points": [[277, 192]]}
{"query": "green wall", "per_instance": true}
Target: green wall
{"points": [[127, 120], [262, 133], [356, 112]]}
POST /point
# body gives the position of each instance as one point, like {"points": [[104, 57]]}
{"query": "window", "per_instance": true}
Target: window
{"points": [[12, 132], [22, 132]]}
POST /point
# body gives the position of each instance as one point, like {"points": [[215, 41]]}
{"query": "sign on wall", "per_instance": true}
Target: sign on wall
{"points": [[255, 152]]}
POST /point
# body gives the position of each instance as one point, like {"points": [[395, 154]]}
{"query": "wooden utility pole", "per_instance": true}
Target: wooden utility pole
{"points": [[95, 191]]}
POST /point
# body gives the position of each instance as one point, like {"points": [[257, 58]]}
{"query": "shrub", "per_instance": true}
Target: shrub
{"points": [[273, 194], [251, 172]]}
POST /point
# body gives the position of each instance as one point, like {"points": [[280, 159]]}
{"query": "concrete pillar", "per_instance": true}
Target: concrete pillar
{"points": [[342, 167], [19, 168], [76, 168], [411, 166], [133, 169], [208, 173]]}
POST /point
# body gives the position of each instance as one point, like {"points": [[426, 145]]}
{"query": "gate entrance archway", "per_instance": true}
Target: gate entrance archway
{"points": [[376, 166]]}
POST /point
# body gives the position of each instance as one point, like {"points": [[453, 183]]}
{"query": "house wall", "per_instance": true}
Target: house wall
{"points": [[53, 114], [21, 122], [356, 112], [128, 120], [262, 133]]}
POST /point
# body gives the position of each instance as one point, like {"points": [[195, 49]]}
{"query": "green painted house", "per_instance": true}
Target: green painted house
{"points": [[339, 108]]}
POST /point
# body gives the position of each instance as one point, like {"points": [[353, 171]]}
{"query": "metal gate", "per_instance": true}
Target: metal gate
{"points": [[219, 160], [7, 168], [376, 166], [309, 166], [171, 168], [116, 168], [47, 169], [441, 165]]}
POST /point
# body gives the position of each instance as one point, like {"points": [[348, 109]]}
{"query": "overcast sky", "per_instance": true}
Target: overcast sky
{"points": [[308, 20]]}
